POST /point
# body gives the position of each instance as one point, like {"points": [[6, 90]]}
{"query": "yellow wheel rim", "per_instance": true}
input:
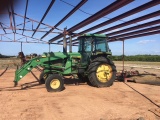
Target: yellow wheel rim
{"points": [[55, 83], [104, 73]]}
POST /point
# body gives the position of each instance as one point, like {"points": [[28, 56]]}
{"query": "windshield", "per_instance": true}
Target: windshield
{"points": [[100, 45], [85, 44], [95, 44]]}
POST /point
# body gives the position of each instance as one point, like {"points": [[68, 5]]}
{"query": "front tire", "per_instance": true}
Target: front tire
{"points": [[54, 83], [102, 72]]}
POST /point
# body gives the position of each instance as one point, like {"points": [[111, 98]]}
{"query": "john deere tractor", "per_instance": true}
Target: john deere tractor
{"points": [[90, 63]]}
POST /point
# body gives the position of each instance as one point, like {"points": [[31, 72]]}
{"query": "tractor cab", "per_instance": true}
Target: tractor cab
{"points": [[91, 45]]}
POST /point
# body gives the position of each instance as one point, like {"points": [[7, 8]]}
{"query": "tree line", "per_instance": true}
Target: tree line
{"points": [[147, 58], [5, 56]]}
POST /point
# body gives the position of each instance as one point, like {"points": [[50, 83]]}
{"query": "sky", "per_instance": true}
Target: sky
{"points": [[36, 9]]}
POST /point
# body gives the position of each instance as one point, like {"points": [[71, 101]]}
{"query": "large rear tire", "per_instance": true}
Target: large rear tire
{"points": [[54, 83], [101, 72]]}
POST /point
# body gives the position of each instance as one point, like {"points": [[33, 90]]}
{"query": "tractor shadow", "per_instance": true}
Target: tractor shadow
{"points": [[34, 84], [73, 81], [37, 85]]}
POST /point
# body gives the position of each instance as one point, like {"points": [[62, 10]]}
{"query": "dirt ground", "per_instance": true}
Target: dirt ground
{"points": [[121, 101]]}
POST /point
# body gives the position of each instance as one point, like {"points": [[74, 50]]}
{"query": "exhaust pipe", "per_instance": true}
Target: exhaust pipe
{"points": [[70, 43], [64, 42]]}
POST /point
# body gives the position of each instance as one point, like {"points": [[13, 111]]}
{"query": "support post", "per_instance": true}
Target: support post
{"points": [[64, 42], [21, 46], [10, 20], [123, 56], [22, 55], [70, 44], [123, 73], [14, 37], [49, 47]]}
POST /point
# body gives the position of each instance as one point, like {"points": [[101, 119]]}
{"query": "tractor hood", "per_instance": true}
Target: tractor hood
{"points": [[51, 54], [61, 54]]}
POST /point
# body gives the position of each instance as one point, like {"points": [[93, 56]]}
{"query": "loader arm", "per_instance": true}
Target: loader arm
{"points": [[38, 61]]}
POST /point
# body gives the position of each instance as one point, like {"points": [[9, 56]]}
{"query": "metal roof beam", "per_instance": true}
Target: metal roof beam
{"points": [[139, 35], [136, 32], [25, 16], [68, 15], [12, 11], [28, 36], [148, 16], [135, 27], [126, 14], [35, 21], [112, 7], [75, 43], [49, 7], [10, 18], [131, 28], [130, 37], [43, 42]]}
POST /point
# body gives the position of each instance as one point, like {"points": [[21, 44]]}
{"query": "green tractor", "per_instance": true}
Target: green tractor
{"points": [[90, 64]]}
